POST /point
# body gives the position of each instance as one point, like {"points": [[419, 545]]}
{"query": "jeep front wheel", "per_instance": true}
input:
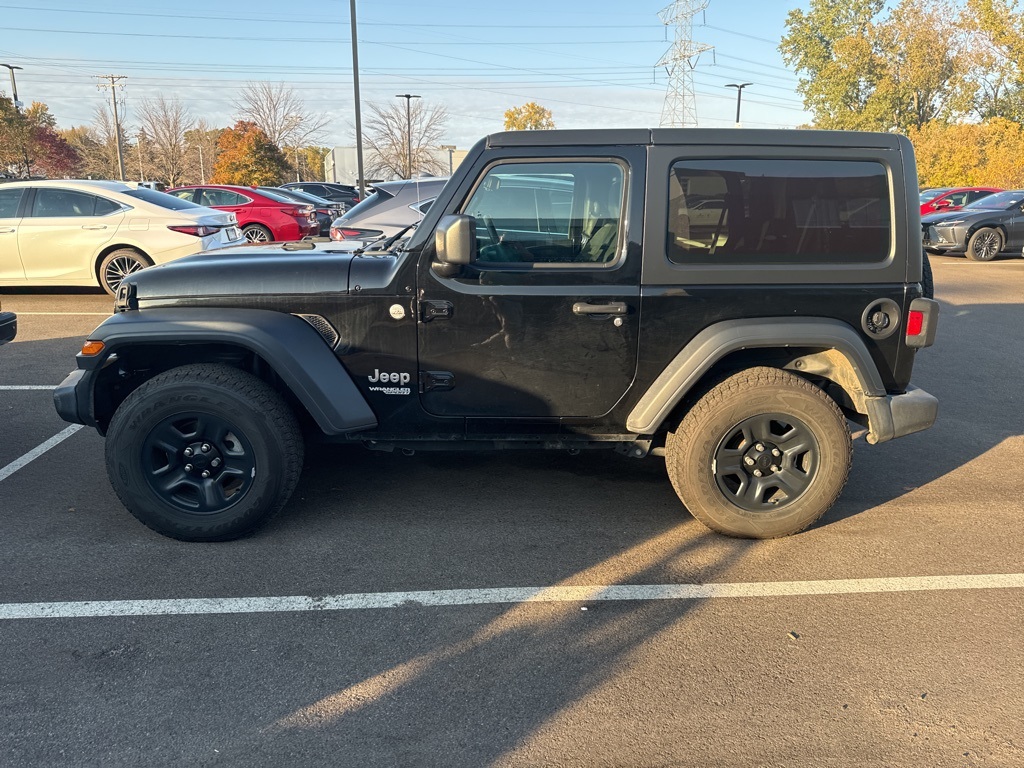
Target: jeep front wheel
{"points": [[763, 454], [204, 452]]}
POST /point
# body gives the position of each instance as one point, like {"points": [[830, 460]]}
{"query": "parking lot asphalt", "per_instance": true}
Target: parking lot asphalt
{"points": [[783, 675]]}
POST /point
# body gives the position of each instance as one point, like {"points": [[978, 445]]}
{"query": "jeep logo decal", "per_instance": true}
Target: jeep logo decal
{"points": [[388, 378]]}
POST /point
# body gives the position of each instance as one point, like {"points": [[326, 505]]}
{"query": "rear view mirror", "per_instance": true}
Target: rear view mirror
{"points": [[455, 243]]}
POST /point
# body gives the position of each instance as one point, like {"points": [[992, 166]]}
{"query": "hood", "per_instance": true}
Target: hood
{"points": [[962, 213], [246, 271]]}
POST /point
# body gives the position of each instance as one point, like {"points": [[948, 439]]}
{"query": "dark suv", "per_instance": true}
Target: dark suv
{"points": [[336, 193], [726, 300]]}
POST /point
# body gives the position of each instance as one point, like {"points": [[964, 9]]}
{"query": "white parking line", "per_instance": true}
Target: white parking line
{"points": [[38, 451], [453, 597], [26, 387]]}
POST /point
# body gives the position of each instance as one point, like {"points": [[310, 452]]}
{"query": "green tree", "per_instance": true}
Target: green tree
{"points": [[996, 55], [307, 163], [14, 138], [247, 156], [862, 71], [529, 117]]}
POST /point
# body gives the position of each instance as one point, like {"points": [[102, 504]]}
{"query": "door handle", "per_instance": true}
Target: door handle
{"points": [[611, 308], [94, 226], [5, 230]]}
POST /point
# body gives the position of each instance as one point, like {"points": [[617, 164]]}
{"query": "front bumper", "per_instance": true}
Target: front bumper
{"points": [[73, 398], [8, 326], [894, 416], [938, 237]]}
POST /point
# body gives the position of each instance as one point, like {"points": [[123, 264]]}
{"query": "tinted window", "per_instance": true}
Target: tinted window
{"points": [[277, 197], [1000, 200], [778, 212], [554, 212], [176, 201], [53, 203], [9, 199], [315, 189], [214, 197], [977, 195], [104, 206]]}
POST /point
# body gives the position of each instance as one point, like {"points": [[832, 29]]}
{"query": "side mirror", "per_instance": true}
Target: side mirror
{"points": [[944, 204], [455, 243]]}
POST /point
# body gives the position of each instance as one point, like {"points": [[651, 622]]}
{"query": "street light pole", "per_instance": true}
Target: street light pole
{"points": [[17, 108], [408, 130], [739, 97], [355, 86], [450, 148]]}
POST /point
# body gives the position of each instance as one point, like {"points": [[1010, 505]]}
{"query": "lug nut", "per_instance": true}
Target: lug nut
{"points": [[206, 448], [775, 468], [776, 452], [759, 447], [188, 467], [215, 463], [206, 473], [188, 452], [757, 473], [747, 460]]}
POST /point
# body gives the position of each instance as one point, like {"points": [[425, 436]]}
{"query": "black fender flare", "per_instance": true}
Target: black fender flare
{"points": [[288, 344], [723, 338]]}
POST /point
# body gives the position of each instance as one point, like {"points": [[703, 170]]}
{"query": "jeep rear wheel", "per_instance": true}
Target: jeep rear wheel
{"points": [[763, 454], [204, 453]]}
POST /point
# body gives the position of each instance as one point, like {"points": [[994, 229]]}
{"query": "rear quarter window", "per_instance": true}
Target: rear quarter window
{"points": [[778, 211]]}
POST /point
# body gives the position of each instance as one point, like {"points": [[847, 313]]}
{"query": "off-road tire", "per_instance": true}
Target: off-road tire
{"points": [[117, 265], [254, 460], [927, 284], [257, 233], [985, 244], [696, 464]]}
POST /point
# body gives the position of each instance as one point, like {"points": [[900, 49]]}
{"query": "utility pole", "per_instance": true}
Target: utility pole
{"points": [[202, 167], [739, 97], [451, 148], [408, 130], [142, 174], [359, 122], [680, 109], [113, 86], [17, 108]]}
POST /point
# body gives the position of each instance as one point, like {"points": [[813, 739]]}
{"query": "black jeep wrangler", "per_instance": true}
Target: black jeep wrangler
{"points": [[724, 299]]}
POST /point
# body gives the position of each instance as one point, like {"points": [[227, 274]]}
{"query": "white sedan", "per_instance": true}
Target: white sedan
{"points": [[60, 233]]}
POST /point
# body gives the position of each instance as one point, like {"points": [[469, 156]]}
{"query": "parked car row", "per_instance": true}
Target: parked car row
{"points": [[69, 233], [981, 230]]}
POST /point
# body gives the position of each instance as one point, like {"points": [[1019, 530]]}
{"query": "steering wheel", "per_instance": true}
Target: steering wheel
{"points": [[491, 229]]}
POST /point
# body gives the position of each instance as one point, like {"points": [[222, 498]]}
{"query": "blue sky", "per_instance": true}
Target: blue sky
{"points": [[593, 64]]}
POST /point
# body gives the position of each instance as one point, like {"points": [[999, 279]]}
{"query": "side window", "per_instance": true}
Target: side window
{"points": [[549, 212], [222, 197], [184, 194], [977, 195], [315, 189], [735, 211], [105, 207], [54, 203], [9, 201], [958, 198]]}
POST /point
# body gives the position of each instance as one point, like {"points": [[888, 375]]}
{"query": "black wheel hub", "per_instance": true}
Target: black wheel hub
{"points": [[198, 462], [766, 462]]}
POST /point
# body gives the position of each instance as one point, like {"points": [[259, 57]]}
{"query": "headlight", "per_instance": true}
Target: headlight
{"points": [[954, 223]]}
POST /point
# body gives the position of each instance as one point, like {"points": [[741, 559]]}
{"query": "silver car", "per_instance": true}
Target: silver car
{"points": [[392, 207]]}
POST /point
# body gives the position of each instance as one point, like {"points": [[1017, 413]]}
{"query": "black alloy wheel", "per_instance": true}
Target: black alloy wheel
{"points": [[985, 244], [764, 453], [204, 452]]}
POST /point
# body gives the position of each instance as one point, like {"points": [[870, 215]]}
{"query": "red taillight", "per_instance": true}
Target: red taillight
{"points": [[340, 233], [203, 231], [915, 323]]}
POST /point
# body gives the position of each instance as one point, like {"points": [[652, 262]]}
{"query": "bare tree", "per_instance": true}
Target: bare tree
{"points": [[201, 151], [281, 113], [164, 123], [105, 135], [390, 134]]}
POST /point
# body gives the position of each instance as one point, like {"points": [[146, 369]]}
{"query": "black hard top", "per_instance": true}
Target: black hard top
{"points": [[695, 136]]}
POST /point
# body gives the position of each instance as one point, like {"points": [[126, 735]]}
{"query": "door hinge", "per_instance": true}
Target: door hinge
{"points": [[436, 381], [432, 310]]}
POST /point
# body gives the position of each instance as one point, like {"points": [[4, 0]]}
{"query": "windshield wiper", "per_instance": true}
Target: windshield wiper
{"points": [[387, 243]]}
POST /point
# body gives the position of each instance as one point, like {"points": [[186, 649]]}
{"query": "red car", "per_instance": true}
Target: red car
{"points": [[952, 198], [262, 216]]}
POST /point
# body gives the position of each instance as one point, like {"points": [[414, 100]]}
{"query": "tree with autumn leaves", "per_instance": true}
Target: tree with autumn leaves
{"points": [[247, 156], [531, 116], [30, 144]]}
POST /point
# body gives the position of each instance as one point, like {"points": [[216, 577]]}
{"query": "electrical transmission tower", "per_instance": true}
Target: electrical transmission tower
{"points": [[113, 85], [680, 108]]}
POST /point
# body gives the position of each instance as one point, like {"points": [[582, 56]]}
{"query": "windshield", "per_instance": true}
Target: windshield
{"points": [[170, 202], [999, 201], [931, 194]]}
